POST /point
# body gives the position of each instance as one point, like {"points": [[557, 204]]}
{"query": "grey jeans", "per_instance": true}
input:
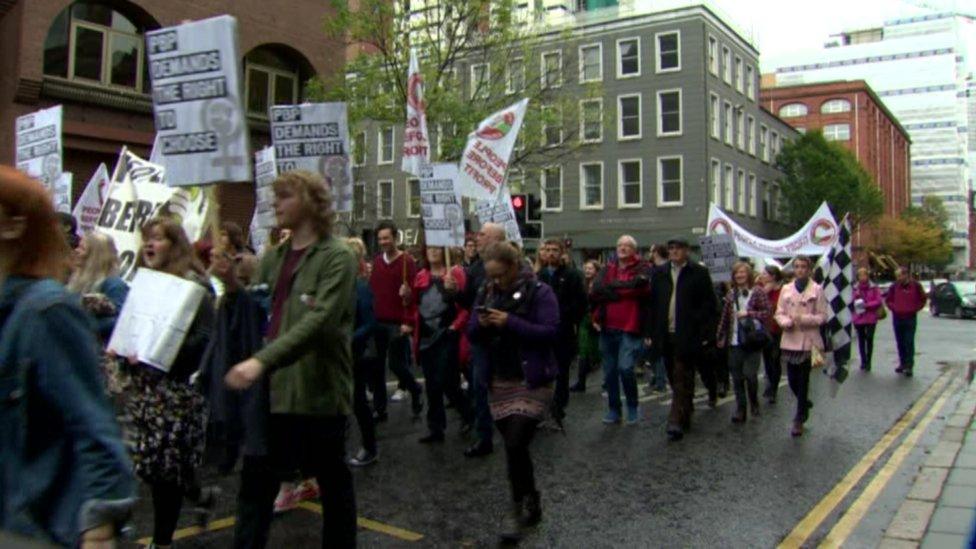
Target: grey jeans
{"points": [[744, 367]]}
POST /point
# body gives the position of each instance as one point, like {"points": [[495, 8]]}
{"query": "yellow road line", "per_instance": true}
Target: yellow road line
{"points": [[368, 524], [806, 527], [214, 525], [859, 508]]}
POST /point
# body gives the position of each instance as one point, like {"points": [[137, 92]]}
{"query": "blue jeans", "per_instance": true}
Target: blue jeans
{"points": [[478, 390], [620, 352], [905, 338]]}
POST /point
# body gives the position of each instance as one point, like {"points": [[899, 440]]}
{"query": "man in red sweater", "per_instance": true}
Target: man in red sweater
{"points": [[905, 298], [392, 276], [619, 293]]}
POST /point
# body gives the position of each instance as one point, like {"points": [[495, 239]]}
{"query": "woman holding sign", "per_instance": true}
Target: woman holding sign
{"points": [[167, 411]]}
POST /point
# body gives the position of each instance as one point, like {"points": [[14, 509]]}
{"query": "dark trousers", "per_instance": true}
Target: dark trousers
{"points": [[478, 391], [517, 432], [905, 339], [393, 350], [865, 343], [315, 446], [744, 366], [583, 368], [721, 367], [681, 376], [566, 351], [798, 376], [167, 499], [363, 368], [772, 366], [440, 364]]}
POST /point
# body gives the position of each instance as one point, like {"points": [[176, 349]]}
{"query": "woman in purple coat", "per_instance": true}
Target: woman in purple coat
{"points": [[867, 304], [516, 320]]}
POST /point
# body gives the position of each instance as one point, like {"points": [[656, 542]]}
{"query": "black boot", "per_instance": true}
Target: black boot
{"points": [[511, 532], [533, 509], [753, 390]]}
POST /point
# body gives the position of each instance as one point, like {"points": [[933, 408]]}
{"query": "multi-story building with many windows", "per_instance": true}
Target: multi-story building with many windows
{"points": [[677, 124]]}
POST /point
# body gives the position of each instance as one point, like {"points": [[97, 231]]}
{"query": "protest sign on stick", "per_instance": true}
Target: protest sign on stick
{"points": [[38, 142], [501, 212], [719, 255], [62, 192], [90, 204], [440, 205], [263, 220]]}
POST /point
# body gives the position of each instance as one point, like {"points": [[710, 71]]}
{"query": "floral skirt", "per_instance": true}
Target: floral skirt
{"points": [[168, 426], [508, 398]]}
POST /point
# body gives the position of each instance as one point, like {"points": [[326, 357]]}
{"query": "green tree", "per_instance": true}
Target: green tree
{"points": [[913, 241], [815, 170], [933, 217], [450, 37]]}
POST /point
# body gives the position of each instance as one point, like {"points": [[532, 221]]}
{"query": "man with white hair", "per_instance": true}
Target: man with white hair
{"points": [[619, 294]]}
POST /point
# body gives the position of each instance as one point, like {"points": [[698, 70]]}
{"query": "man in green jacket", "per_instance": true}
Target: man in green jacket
{"points": [[308, 357]]}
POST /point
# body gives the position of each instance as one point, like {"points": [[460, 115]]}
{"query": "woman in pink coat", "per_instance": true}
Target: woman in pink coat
{"points": [[867, 304], [801, 310]]}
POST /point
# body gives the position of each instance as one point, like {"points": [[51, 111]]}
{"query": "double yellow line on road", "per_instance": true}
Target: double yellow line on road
{"points": [[812, 521]]}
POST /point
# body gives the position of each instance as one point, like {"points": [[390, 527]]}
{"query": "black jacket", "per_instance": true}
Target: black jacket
{"points": [[475, 274], [567, 283], [695, 308]]}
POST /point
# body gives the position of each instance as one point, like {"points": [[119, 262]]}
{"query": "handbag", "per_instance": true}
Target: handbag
{"points": [[752, 333], [882, 312]]}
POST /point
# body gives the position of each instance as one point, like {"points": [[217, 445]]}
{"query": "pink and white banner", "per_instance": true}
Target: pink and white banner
{"points": [[814, 239], [416, 142], [488, 151]]}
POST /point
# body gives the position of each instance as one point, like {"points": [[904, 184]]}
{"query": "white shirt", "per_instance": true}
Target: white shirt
{"points": [[742, 302], [675, 272]]}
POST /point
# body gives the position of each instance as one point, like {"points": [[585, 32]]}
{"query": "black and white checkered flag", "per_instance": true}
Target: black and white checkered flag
{"points": [[839, 291]]}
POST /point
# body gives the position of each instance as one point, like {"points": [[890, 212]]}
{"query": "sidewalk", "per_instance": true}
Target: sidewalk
{"points": [[940, 511]]}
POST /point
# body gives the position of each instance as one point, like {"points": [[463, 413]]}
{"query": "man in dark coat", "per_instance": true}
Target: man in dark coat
{"points": [[683, 305], [566, 282]]}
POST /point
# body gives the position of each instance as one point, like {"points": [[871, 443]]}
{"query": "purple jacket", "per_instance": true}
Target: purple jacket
{"points": [[872, 303], [536, 333]]}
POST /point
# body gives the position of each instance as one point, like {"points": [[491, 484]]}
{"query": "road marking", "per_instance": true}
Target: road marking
{"points": [[859, 508], [213, 526], [808, 525], [368, 524]]}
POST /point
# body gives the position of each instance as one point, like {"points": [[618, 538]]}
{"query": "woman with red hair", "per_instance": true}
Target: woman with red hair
{"points": [[60, 443]]}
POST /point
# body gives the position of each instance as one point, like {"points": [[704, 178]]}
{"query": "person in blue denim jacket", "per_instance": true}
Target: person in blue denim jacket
{"points": [[65, 477]]}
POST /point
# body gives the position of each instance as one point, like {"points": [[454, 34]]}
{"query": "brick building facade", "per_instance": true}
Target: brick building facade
{"points": [[89, 57]]}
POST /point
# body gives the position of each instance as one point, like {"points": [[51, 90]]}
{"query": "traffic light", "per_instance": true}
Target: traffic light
{"points": [[519, 203], [526, 207]]}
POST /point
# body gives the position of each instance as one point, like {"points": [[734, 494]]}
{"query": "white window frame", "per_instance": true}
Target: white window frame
{"points": [[715, 116], [764, 142], [681, 114], [619, 60], [543, 70], [599, 48], [420, 205], [379, 198], [786, 111], [542, 188], [715, 181], [583, 206], [738, 74], [108, 34], [712, 55], [545, 128], [355, 151], [273, 75], [640, 115], [728, 186], [657, 50], [681, 181], [379, 146], [620, 184], [582, 121], [831, 132], [516, 62], [740, 192], [752, 195], [767, 209], [740, 129], [485, 92], [356, 205], [726, 65], [829, 106], [774, 143], [728, 122], [751, 134], [750, 82]]}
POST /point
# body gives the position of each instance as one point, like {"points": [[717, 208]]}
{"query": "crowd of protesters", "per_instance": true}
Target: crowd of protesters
{"points": [[284, 348]]}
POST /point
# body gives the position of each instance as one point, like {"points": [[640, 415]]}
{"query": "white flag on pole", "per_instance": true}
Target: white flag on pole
{"points": [[416, 144], [486, 155], [90, 204]]}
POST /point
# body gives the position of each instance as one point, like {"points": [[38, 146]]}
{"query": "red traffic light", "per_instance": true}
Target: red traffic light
{"points": [[518, 202]]}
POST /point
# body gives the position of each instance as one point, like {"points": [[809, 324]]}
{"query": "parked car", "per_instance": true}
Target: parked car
{"points": [[954, 298]]}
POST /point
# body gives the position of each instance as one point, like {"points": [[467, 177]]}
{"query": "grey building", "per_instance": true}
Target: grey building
{"points": [[677, 125]]}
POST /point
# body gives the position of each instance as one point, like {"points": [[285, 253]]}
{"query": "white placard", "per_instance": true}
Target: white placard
{"points": [[156, 317], [502, 213], [315, 137], [195, 70], [440, 205], [39, 149], [814, 239], [263, 220], [416, 142], [62, 192], [486, 155], [719, 255], [90, 204]]}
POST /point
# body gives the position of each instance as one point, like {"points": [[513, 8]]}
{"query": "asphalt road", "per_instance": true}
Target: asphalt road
{"points": [[626, 486]]}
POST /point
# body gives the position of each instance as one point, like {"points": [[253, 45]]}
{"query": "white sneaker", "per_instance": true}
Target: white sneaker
{"points": [[464, 385], [399, 396]]}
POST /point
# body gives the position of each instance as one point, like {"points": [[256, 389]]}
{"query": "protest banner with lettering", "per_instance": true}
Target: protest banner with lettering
{"points": [[315, 137], [814, 239], [195, 70], [440, 205], [38, 142], [90, 204], [486, 155], [263, 220], [62, 192], [719, 255], [416, 144], [500, 211], [155, 318]]}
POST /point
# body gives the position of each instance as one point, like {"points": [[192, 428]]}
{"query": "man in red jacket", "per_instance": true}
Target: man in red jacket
{"points": [[393, 272], [619, 292], [905, 298]]}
